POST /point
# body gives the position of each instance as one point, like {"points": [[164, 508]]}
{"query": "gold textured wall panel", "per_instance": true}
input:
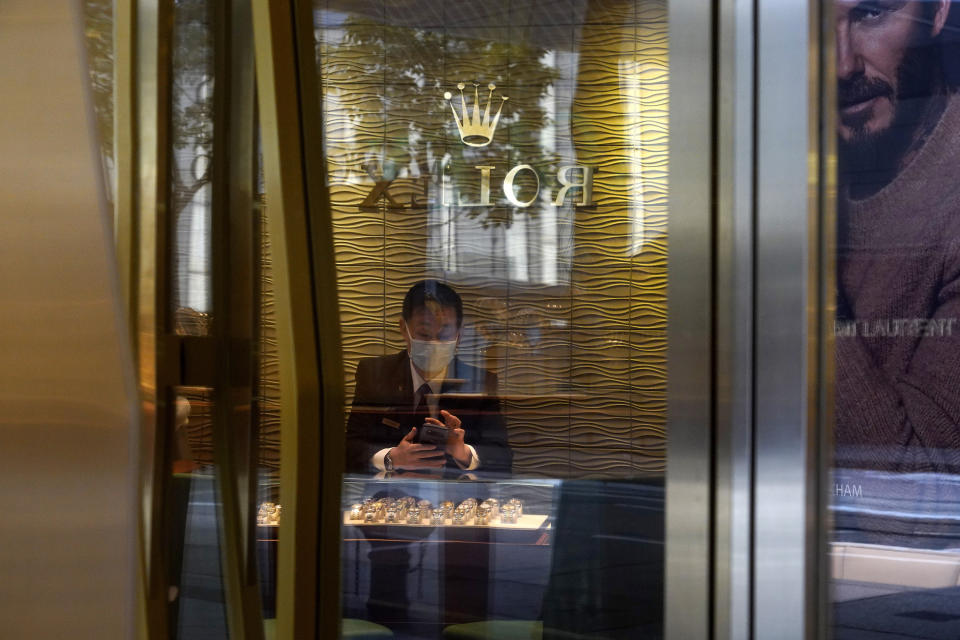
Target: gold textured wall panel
{"points": [[266, 397], [567, 304]]}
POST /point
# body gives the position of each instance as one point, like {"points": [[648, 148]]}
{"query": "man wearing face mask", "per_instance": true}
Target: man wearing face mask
{"points": [[396, 395]]}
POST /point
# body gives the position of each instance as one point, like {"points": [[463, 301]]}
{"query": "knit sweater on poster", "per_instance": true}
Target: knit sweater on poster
{"points": [[897, 392], [897, 404]]}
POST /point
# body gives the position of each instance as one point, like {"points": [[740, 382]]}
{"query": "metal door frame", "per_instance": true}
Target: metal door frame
{"points": [[690, 313], [749, 291], [795, 222], [752, 286], [794, 226]]}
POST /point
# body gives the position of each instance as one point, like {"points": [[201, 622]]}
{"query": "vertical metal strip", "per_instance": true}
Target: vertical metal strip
{"points": [[233, 158], [125, 225], [124, 151], [333, 443], [735, 239], [789, 315], [297, 592], [152, 40], [823, 28], [690, 308], [815, 556]]}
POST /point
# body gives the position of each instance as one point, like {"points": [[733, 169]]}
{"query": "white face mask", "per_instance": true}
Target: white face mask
{"points": [[430, 356]]}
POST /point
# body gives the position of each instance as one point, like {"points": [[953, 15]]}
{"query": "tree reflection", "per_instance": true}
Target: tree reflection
{"points": [[390, 82]]}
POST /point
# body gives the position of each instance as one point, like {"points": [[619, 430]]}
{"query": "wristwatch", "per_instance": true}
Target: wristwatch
{"points": [[388, 462]]}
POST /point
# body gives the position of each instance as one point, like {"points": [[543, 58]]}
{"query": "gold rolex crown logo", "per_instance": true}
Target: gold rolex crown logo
{"points": [[476, 130]]}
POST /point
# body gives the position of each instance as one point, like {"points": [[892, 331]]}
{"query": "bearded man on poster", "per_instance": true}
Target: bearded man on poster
{"points": [[897, 400]]}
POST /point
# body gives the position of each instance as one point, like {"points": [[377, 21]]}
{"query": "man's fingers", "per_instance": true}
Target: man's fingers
{"points": [[451, 420], [434, 421], [410, 434]]}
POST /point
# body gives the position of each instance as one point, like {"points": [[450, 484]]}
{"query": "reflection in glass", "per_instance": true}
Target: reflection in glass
{"points": [[895, 489], [192, 141], [194, 575], [564, 302], [513, 154], [266, 407]]}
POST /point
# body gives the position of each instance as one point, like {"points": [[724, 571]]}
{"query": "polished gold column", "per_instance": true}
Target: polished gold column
{"points": [[298, 593]]}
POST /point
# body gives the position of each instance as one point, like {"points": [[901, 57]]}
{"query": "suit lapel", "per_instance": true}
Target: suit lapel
{"points": [[401, 392], [398, 377]]}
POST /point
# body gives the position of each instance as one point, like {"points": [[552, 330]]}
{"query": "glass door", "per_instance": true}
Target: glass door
{"points": [[556, 318], [425, 315], [508, 255], [498, 196]]}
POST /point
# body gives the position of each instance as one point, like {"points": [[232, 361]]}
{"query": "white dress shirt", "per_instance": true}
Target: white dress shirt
{"points": [[433, 406]]}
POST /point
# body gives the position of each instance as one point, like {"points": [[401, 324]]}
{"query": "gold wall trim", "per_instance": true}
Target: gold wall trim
{"points": [[124, 92], [823, 275], [275, 62]]}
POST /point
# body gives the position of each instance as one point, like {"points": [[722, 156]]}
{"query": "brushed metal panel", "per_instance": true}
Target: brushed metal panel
{"points": [[735, 247], [691, 363], [67, 400], [788, 347]]}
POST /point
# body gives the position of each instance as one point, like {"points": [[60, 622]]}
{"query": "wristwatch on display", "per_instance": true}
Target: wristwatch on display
{"points": [[388, 462]]}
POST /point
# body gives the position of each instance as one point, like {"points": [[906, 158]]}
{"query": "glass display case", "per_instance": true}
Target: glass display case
{"points": [[420, 553], [411, 501]]}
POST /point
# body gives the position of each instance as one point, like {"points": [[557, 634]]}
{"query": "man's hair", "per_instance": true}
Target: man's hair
{"points": [[427, 291]]}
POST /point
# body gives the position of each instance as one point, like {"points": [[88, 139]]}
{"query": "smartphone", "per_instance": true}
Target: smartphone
{"points": [[433, 434]]}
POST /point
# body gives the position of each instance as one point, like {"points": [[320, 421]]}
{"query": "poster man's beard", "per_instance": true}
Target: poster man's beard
{"points": [[875, 155]]}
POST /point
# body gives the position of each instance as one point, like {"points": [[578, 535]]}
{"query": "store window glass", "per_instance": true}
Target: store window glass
{"points": [[193, 523], [193, 506], [191, 103], [895, 546], [497, 176], [266, 409]]}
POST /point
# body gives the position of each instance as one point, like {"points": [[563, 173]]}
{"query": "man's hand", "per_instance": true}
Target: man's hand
{"points": [[411, 455], [455, 445]]}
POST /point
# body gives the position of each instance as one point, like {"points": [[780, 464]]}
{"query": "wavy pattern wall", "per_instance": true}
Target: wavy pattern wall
{"points": [[266, 393], [566, 303]]}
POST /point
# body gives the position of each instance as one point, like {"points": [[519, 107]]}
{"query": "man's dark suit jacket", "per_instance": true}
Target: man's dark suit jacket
{"points": [[383, 411]]}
